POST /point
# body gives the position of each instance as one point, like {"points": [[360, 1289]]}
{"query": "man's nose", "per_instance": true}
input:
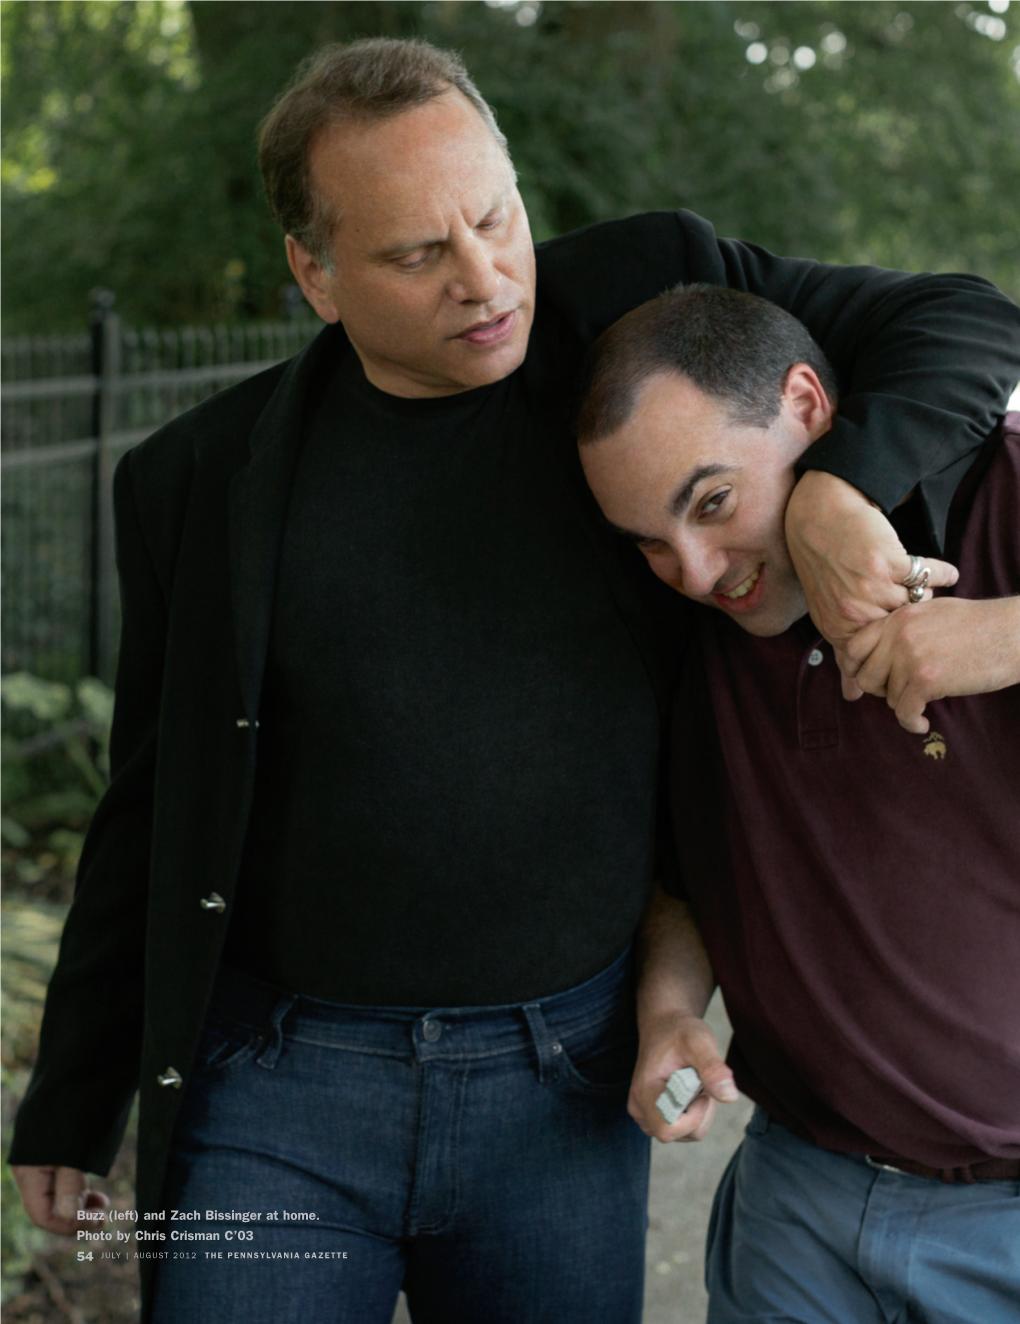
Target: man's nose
{"points": [[701, 568], [475, 278]]}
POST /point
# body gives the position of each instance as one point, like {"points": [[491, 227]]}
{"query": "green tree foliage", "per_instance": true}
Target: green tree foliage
{"points": [[56, 766], [100, 185], [882, 132]]}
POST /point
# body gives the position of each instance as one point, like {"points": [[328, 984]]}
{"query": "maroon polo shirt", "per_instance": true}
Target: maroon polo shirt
{"points": [[858, 887]]}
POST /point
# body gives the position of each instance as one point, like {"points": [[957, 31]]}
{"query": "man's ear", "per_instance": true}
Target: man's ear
{"points": [[312, 278], [806, 400]]}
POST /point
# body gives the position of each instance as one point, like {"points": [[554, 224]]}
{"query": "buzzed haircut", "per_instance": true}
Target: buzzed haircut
{"points": [[372, 79], [735, 347]]}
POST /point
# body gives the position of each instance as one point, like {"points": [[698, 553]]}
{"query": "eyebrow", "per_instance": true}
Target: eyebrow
{"points": [[682, 496], [401, 250]]}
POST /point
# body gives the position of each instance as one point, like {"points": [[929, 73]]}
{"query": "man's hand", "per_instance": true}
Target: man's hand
{"points": [[936, 649], [675, 984], [669, 1042], [52, 1197], [848, 558]]}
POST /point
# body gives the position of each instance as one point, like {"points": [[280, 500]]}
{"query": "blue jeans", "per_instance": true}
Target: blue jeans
{"points": [[803, 1234], [480, 1158]]}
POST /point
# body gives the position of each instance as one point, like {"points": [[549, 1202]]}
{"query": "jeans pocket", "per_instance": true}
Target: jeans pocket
{"points": [[224, 1045], [601, 1059]]}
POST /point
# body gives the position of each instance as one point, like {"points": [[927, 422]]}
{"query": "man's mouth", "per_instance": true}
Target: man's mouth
{"points": [[746, 595], [492, 332], [745, 586]]}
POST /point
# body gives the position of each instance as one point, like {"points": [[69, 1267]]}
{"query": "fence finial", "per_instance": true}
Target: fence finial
{"points": [[102, 302]]}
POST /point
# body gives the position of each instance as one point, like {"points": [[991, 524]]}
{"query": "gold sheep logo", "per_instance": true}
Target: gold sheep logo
{"points": [[935, 745]]}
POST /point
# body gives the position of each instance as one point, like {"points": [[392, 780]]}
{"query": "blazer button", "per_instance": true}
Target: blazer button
{"points": [[171, 1077], [213, 902]]}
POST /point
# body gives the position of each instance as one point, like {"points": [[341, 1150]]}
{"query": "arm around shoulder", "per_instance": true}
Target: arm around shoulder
{"points": [[925, 364]]}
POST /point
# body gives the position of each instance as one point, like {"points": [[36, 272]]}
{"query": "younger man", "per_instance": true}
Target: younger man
{"points": [[854, 876]]}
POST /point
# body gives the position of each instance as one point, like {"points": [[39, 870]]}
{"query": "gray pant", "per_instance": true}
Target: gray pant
{"points": [[801, 1233]]}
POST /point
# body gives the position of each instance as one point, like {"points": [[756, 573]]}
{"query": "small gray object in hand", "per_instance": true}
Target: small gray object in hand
{"points": [[681, 1088]]}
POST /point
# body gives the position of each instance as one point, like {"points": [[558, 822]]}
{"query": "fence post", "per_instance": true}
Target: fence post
{"points": [[106, 366]]}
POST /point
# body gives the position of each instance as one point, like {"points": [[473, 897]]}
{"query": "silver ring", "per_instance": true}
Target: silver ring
{"points": [[916, 591], [916, 571], [917, 581]]}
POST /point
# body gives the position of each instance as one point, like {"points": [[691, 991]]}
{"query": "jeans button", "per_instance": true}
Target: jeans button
{"points": [[432, 1031]]}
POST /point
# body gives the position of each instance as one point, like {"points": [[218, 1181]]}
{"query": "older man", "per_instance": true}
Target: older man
{"points": [[356, 911], [853, 869]]}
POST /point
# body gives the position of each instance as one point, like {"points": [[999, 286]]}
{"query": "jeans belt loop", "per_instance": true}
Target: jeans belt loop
{"points": [[882, 1167], [549, 1051], [270, 1054]]}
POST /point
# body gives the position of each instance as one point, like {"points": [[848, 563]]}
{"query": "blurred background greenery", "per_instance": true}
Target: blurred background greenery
{"points": [[884, 132]]}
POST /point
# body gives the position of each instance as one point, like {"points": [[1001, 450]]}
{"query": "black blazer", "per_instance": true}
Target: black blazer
{"points": [[925, 363]]}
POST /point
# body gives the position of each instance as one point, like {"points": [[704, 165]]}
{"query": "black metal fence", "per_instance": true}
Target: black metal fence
{"points": [[71, 406]]}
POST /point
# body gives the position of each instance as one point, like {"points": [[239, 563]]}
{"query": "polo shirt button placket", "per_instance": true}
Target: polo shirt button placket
{"points": [[818, 698]]}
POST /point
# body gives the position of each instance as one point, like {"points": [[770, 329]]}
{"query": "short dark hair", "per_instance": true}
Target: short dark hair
{"points": [[366, 80], [734, 346]]}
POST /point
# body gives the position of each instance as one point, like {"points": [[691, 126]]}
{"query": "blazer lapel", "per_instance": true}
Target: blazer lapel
{"points": [[258, 499]]}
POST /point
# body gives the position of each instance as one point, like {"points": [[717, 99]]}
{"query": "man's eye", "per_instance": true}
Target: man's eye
{"points": [[715, 502], [412, 261], [652, 545], [490, 222]]}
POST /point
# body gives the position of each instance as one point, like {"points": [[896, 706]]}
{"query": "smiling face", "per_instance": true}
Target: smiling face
{"points": [[704, 498], [433, 272]]}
